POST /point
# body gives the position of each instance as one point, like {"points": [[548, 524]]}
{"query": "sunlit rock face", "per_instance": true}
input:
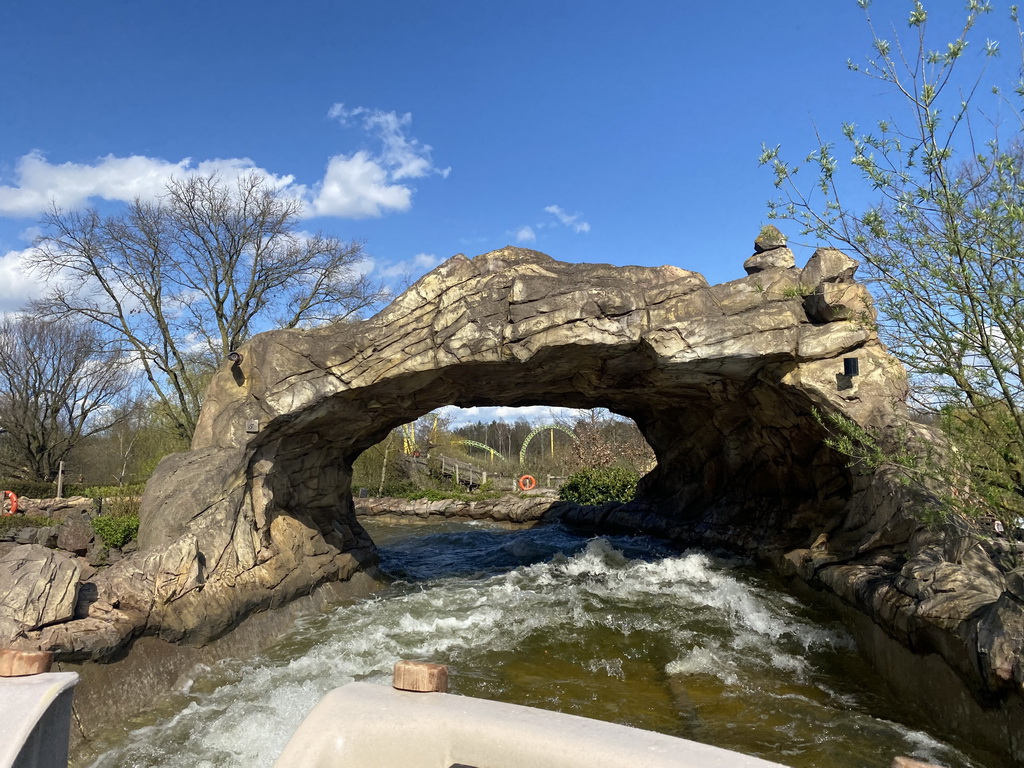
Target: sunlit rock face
{"points": [[722, 380]]}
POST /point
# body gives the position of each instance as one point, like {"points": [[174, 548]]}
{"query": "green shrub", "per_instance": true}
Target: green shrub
{"points": [[30, 489], [35, 489], [116, 530], [600, 484], [121, 506], [107, 491]]}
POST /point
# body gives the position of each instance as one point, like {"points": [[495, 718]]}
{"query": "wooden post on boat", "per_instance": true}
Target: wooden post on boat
{"points": [[23, 663], [421, 676]]}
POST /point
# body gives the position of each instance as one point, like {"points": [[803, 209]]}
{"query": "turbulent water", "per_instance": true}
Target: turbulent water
{"points": [[616, 628]]}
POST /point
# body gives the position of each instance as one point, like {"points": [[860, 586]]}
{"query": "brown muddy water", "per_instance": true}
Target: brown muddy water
{"points": [[617, 628]]}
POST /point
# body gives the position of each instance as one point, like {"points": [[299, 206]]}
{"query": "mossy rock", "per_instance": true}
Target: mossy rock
{"points": [[768, 239]]}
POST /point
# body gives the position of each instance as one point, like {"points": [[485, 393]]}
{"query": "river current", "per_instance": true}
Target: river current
{"points": [[617, 628]]}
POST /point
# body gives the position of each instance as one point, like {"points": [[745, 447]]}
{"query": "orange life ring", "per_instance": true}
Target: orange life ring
{"points": [[527, 483], [13, 498]]}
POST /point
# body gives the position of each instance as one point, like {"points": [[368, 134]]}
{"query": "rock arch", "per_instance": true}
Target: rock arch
{"points": [[722, 380]]}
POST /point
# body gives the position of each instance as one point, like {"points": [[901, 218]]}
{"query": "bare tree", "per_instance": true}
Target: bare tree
{"points": [[183, 281], [57, 383]]}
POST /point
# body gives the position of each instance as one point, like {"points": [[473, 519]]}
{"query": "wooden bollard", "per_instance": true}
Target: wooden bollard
{"points": [[420, 676], [21, 663], [909, 762]]}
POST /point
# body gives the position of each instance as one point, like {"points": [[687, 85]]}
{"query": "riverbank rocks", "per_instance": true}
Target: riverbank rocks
{"points": [[506, 509], [730, 384]]}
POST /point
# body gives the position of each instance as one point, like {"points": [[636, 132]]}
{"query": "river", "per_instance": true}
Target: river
{"points": [[618, 628]]}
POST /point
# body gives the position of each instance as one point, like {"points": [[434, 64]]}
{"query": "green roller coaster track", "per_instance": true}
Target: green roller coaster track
{"points": [[475, 444], [536, 431]]}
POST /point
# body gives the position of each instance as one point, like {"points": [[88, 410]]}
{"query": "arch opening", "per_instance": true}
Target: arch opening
{"points": [[454, 448]]}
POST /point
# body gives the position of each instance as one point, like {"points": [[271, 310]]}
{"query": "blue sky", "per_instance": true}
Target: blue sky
{"points": [[589, 130]]}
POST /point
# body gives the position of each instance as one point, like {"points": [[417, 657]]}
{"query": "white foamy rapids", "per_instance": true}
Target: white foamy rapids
{"points": [[243, 712]]}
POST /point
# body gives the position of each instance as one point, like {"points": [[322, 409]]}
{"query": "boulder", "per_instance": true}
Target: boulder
{"points": [[769, 239], [45, 536], [75, 536], [828, 265], [38, 586], [59, 510], [777, 258]]}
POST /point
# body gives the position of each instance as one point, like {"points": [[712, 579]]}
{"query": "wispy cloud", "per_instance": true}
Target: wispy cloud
{"points": [[361, 184], [365, 183], [574, 221], [526, 235], [17, 286], [528, 232], [403, 156], [410, 269]]}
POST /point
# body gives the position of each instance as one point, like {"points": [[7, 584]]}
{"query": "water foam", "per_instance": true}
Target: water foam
{"points": [[595, 610]]}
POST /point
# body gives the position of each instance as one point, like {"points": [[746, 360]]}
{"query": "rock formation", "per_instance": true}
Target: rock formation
{"points": [[723, 381]]}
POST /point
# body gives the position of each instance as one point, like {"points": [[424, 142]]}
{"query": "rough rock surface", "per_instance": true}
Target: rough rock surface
{"points": [[37, 587], [768, 239], [722, 380], [770, 252], [779, 258], [76, 536]]}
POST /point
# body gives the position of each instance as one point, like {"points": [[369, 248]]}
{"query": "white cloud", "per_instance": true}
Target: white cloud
{"points": [[574, 221], [525, 235], [411, 269], [38, 182], [17, 286], [355, 185]]}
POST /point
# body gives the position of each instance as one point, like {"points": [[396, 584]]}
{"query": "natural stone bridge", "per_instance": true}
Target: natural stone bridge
{"points": [[722, 380]]}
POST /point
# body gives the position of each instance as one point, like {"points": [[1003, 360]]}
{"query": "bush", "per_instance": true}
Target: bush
{"points": [[30, 489], [116, 530], [600, 484], [108, 491], [127, 506]]}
